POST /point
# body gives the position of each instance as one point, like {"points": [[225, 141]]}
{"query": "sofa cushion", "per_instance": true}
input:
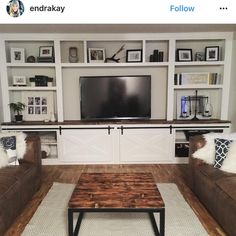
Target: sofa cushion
{"points": [[213, 173], [10, 175], [17, 186], [6, 182], [228, 185]]}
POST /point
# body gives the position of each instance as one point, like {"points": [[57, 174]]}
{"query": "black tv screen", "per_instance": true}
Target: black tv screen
{"points": [[115, 97]]}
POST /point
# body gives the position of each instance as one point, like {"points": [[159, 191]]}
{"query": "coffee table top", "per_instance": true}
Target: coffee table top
{"points": [[116, 191]]}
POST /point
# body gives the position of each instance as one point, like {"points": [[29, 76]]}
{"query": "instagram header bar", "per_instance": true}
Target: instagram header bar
{"points": [[117, 11]]}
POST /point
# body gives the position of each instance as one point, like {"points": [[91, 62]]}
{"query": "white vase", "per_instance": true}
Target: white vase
{"points": [[52, 118]]}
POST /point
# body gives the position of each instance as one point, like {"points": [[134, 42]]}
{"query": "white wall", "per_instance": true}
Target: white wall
{"points": [[232, 95], [71, 93]]}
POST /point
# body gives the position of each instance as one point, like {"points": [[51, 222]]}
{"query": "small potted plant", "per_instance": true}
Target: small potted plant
{"points": [[17, 109]]}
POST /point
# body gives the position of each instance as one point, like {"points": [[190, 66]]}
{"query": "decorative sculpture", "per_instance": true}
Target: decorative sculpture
{"points": [[114, 55]]}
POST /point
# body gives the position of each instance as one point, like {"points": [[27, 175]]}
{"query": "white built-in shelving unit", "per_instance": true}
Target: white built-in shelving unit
{"points": [[65, 86]]}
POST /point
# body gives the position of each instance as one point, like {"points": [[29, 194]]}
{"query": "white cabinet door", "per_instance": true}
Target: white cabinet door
{"points": [[86, 146], [146, 145]]}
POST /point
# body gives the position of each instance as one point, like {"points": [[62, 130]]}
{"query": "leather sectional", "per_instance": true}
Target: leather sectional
{"points": [[215, 188], [19, 183]]}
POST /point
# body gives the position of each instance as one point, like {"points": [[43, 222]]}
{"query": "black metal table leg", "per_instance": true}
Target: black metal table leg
{"points": [[154, 224], [162, 222], [77, 227], [70, 222], [71, 230]]}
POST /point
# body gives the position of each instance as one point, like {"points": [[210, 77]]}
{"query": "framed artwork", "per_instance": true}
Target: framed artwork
{"points": [[212, 53], [196, 78], [18, 55], [184, 55], [134, 55], [46, 51], [39, 105], [96, 55], [19, 80]]}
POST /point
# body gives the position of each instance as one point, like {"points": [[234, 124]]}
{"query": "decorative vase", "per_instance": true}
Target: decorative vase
{"points": [[52, 118]]}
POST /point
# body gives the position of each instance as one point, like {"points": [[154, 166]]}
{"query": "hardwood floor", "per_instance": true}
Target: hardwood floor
{"points": [[70, 174]]}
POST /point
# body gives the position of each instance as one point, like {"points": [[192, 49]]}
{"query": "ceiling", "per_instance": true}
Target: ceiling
{"points": [[114, 28]]}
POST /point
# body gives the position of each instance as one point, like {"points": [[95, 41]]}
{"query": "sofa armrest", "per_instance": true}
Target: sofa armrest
{"points": [[33, 151], [195, 143]]}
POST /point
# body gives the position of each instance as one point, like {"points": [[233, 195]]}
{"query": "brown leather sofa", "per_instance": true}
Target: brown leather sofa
{"points": [[216, 189], [19, 183]]}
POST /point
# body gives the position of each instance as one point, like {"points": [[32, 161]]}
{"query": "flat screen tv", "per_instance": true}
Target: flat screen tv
{"points": [[115, 97]]}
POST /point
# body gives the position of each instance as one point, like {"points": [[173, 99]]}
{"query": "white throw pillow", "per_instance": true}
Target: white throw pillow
{"points": [[207, 153], [229, 164]]}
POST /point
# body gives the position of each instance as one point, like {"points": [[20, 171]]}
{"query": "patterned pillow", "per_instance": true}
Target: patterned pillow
{"points": [[8, 144], [221, 148]]}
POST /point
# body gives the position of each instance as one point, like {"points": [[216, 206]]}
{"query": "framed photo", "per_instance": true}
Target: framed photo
{"points": [[19, 80], [96, 55], [39, 105], [212, 53], [18, 55], [134, 55], [184, 55], [196, 78], [46, 51]]}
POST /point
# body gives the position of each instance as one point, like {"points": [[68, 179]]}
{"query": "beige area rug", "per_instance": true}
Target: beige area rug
{"points": [[50, 219]]}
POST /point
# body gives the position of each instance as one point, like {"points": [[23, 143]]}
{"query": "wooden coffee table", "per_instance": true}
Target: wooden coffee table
{"points": [[111, 192]]}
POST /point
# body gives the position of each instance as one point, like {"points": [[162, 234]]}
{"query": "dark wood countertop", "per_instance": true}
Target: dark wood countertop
{"points": [[117, 122]]}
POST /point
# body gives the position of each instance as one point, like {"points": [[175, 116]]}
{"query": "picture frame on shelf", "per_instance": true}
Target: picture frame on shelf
{"points": [[184, 55], [134, 55], [39, 105], [17, 55], [199, 78], [96, 55], [19, 80], [212, 53], [45, 51]]}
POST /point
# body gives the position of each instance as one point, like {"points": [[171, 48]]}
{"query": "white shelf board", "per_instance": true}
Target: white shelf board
{"points": [[200, 63], [31, 65], [141, 64], [12, 88], [198, 86], [48, 143], [181, 141]]}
